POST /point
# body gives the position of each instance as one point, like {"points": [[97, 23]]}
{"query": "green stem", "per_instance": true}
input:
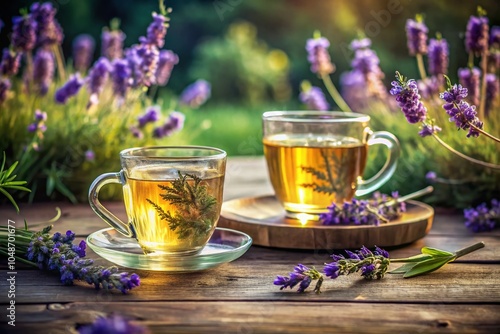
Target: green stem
{"points": [[20, 259], [60, 62], [418, 193], [469, 249], [466, 157], [470, 62], [334, 93], [421, 67]]}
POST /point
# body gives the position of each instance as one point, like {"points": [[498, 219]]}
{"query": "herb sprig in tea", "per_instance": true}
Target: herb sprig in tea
{"points": [[196, 209]]}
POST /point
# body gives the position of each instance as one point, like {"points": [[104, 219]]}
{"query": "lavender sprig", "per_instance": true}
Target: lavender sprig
{"points": [[69, 89], [313, 97], [113, 324], [83, 51], [372, 265], [57, 252], [23, 36], [11, 60], [196, 94]]}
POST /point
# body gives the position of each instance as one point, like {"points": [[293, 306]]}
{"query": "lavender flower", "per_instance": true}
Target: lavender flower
{"points": [[83, 52], [157, 31], [10, 62], [416, 33], [4, 88], [428, 130], [492, 90], [314, 99], [39, 123], [70, 88], [388, 206], [166, 62], [476, 35], [134, 64], [438, 56], [136, 132], [355, 90], [174, 123], [196, 94], [470, 79], [58, 252], [43, 70], [366, 61], [431, 176], [112, 44], [318, 56], [48, 30], [89, 155], [121, 76], [40, 116], [148, 55], [373, 265], [408, 99], [463, 114], [357, 212], [113, 324], [150, 116], [363, 43], [301, 275], [495, 37], [482, 218], [97, 78], [23, 36]]}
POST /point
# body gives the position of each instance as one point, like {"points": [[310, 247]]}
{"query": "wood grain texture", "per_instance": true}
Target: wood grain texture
{"points": [[271, 317]]}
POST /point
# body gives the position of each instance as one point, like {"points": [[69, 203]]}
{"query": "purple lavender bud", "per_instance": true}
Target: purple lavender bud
{"points": [[83, 52], [492, 89], [495, 37], [40, 116], [476, 35], [157, 31], [97, 78], [471, 79], [43, 70], [150, 116], [121, 76], [32, 127], [48, 30], [196, 94], [134, 63], [331, 270], [438, 56], [416, 34], [112, 44], [431, 176], [70, 88], [149, 56], [317, 55], [10, 62], [174, 123], [363, 43], [89, 156], [314, 99], [23, 36], [4, 88], [366, 61], [381, 252], [429, 130], [455, 94], [113, 324], [136, 132], [408, 99], [166, 63]]}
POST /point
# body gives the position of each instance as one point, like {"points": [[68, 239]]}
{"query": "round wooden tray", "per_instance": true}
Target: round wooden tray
{"points": [[263, 218]]}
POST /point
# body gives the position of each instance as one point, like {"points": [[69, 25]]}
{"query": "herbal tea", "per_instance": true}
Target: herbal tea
{"points": [[170, 211], [309, 172]]}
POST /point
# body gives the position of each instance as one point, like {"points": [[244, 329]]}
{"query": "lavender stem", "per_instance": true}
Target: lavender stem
{"points": [[421, 67], [469, 249], [334, 93]]}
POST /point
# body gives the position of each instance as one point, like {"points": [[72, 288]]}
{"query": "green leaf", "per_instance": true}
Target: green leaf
{"points": [[51, 183], [3, 163], [13, 183], [434, 252], [65, 191], [415, 258], [3, 191], [10, 170], [428, 266], [403, 269], [17, 188]]}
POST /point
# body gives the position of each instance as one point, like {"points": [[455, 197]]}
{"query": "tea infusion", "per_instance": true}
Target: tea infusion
{"points": [[308, 172], [171, 211]]}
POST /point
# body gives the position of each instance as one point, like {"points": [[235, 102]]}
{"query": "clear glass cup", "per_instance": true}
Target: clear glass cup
{"points": [[315, 158], [172, 195]]}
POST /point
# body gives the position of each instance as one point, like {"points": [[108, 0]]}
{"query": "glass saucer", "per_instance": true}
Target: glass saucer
{"points": [[224, 246]]}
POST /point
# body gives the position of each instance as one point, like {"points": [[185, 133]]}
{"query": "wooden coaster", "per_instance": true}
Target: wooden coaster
{"points": [[263, 218]]}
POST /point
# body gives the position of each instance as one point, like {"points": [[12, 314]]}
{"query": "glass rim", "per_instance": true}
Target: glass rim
{"points": [[134, 152], [314, 116]]}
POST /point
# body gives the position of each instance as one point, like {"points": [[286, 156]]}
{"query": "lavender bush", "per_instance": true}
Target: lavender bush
{"points": [[88, 106]]}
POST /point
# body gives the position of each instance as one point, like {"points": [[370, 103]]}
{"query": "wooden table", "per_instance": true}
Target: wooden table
{"points": [[239, 297]]}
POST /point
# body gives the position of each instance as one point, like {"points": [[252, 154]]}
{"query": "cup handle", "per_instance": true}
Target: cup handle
{"points": [[99, 209], [375, 182]]}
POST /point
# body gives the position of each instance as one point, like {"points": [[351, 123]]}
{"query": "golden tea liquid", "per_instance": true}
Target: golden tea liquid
{"points": [[161, 225], [309, 172]]}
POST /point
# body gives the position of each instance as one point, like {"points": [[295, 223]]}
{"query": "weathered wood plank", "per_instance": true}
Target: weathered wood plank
{"points": [[271, 317], [252, 280]]}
